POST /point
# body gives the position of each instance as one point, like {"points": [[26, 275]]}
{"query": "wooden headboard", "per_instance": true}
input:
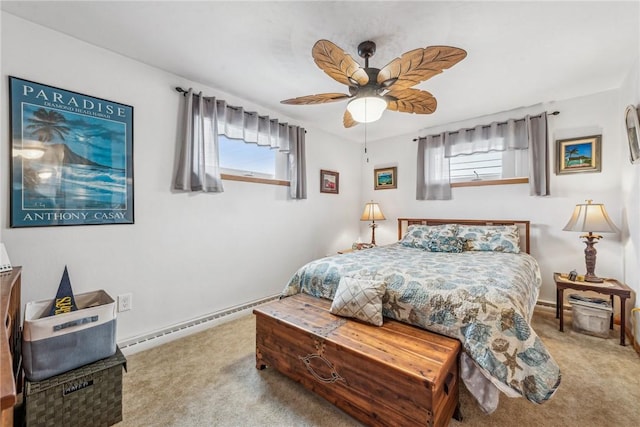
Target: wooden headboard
{"points": [[523, 226]]}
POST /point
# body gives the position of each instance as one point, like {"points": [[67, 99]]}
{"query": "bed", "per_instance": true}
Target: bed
{"points": [[473, 280]]}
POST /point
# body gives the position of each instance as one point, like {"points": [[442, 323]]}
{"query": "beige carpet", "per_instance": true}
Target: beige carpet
{"points": [[210, 379]]}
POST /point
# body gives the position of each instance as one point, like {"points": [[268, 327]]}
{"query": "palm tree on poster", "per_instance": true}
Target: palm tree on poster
{"points": [[47, 124], [570, 155]]}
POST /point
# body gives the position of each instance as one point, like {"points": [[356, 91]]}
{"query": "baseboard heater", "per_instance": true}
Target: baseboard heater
{"points": [[144, 342], [163, 336]]}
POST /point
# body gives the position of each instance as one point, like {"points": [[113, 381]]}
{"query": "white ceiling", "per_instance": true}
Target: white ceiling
{"points": [[519, 53]]}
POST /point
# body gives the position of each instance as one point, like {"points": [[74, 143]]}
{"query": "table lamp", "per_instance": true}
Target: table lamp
{"points": [[589, 218], [372, 213]]}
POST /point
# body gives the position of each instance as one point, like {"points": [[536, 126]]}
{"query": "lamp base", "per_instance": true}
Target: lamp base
{"points": [[373, 226], [590, 258]]}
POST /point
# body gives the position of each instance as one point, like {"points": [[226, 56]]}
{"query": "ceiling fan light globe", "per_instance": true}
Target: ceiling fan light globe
{"points": [[367, 109]]}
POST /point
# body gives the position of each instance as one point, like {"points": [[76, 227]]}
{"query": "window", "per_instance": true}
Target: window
{"points": [[240, 158], [491, 166]]}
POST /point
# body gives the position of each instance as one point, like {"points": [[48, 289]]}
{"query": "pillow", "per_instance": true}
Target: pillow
{"points": [[497, 238], [360, 299], [421, 236], [447, 244]]}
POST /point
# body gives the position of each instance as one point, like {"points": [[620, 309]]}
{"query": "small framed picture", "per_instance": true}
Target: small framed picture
{"points": [[329, 182], [578, 155], [385, 178]]}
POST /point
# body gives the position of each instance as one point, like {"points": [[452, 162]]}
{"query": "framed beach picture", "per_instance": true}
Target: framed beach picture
{"points": [[578, 155], [72, 157], [385, 178], [329, 182]]}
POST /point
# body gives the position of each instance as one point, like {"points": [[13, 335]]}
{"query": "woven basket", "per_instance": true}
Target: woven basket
{"points": [[87, 396]]}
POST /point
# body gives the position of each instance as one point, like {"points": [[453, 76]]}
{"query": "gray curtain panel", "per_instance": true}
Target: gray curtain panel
{"points": [[538, 155], [198, 167], [205, 118], [297, 166], [433, 169]]}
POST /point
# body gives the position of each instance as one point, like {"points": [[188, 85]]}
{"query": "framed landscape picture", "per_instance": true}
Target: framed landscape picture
{"points": [[578, 155], [385, 178], [329, 182], [72, 157]]}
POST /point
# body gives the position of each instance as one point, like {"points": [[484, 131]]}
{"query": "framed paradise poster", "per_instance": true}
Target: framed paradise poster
{"points": [[72, 157]]}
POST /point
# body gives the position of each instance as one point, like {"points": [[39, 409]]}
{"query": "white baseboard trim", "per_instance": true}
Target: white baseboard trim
{"points": [[545, 303], [189, 327]]}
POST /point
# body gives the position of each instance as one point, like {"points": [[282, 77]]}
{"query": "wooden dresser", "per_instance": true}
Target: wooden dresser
{"points": [[9, 344]]}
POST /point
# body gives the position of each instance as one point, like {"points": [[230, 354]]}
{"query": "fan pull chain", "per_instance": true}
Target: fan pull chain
{"points": [[365, 142]]}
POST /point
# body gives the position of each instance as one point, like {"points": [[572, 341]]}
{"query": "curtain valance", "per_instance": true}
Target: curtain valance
{"points": [[509, 135], [236, 123]]}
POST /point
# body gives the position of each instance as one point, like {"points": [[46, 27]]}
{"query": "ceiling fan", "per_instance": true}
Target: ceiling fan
{"points": [[372, 90]]}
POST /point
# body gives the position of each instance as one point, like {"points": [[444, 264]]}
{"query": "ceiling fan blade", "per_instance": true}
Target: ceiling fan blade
{"points": [[339, 65], [320, 98], [348, 120], [407, 100], [419, 65]]}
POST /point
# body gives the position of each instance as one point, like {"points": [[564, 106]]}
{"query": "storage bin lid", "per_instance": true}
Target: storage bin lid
{"points": [[591, 302]]}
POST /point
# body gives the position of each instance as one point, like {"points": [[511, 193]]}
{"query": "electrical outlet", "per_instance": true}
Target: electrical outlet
{"points": [[125, 302]]}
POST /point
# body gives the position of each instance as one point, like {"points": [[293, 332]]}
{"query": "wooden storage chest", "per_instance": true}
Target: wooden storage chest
{"points": [[393, 375]]}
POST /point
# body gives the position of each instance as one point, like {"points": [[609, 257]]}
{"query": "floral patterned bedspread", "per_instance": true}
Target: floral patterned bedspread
{"points": [[484, 299]]}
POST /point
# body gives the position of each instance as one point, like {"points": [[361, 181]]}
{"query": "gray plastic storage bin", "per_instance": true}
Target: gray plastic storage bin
{"points": [[589, 317]]}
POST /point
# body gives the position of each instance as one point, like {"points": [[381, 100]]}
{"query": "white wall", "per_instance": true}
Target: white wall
{"points": [[556, 250], [630, 95], [187, 254]]}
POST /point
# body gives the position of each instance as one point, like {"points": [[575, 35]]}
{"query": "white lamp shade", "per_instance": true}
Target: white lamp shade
{"points": [[367, 109], [372, 212], [590, 217]]}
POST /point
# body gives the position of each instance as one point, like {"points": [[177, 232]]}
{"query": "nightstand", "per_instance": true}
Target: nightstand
{"points": [[609, 287], [360, 247]]}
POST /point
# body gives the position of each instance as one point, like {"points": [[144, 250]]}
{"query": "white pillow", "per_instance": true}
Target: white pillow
{"points": [[360, 299]]}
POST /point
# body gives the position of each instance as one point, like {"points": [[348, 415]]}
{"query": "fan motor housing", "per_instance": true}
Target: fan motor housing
{"points": [[366, 49]]}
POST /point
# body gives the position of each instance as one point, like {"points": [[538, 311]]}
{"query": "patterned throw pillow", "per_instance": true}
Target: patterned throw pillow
{"points": [[447, 244], [423, 236], [360, 299], [497, 238]]}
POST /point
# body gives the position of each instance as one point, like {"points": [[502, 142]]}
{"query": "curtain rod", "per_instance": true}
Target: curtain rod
{"points": [[184, 92], [555, 113]]}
